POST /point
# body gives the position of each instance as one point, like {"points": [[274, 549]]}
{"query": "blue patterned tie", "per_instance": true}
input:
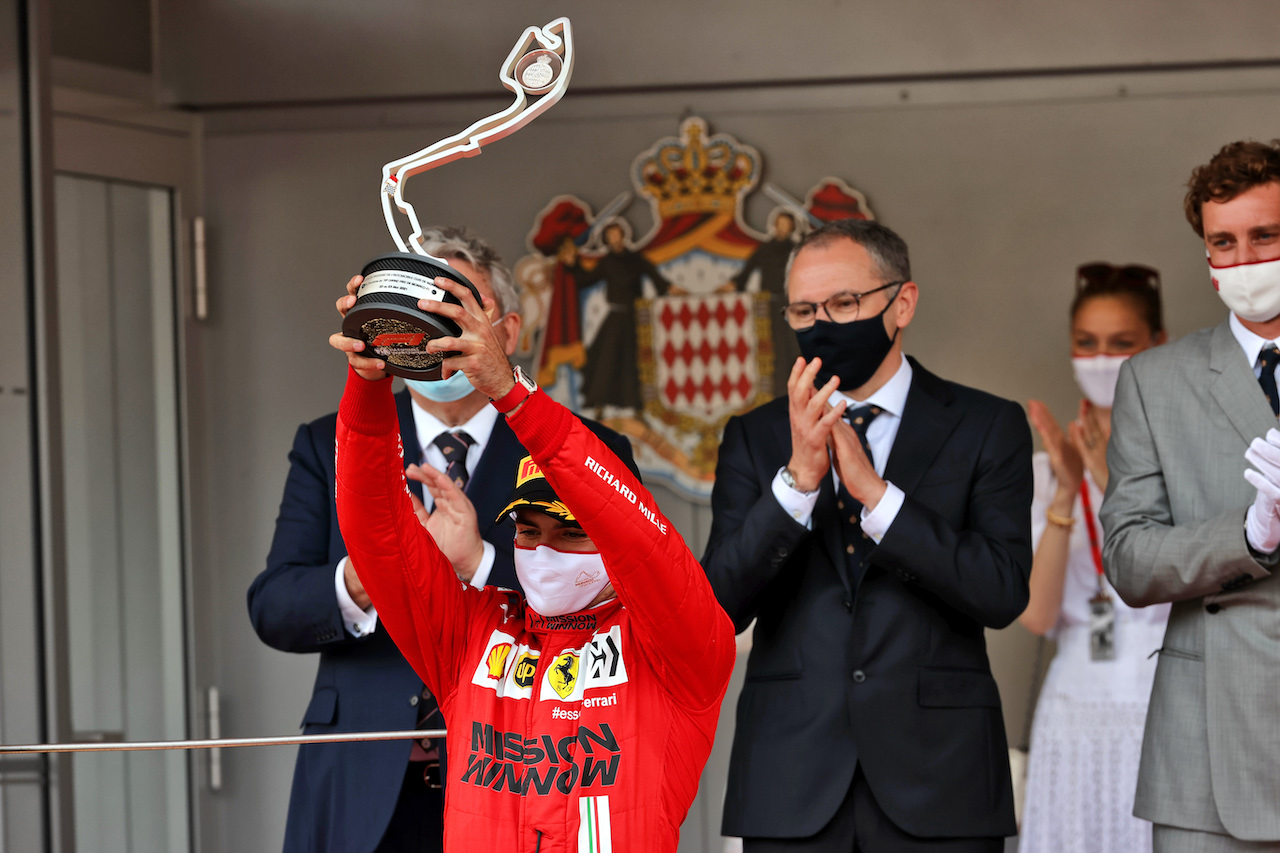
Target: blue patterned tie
{"points": [[454, 446]]}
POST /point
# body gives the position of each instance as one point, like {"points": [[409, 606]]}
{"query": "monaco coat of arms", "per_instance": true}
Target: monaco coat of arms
{"points": [[665, 337]]}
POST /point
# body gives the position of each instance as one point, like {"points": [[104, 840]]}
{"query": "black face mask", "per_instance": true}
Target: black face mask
{"points": [[853, 351]]}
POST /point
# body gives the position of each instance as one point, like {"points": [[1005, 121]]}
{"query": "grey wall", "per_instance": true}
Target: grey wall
{"points": [[214, 51], [1000, 187], [114, 33]]}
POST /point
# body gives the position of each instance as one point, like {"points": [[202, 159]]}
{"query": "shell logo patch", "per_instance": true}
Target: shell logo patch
{"points": [[497, 660], [563, 674], [506, 668], [527, 471], [526, 669]]}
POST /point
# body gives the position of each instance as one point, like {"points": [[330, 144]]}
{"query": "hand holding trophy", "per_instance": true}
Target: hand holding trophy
{"points": [[387, 315]]}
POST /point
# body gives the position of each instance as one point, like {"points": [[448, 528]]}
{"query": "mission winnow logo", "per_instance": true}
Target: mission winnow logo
{"points": [[504, 761]]}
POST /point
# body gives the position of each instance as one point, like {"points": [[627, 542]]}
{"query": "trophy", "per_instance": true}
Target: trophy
{"points": [[386, 315]]}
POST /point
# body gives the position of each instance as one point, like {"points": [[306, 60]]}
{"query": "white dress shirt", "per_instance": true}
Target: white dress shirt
{"points": [[891, 398], [361, 622], [1249, 342]]}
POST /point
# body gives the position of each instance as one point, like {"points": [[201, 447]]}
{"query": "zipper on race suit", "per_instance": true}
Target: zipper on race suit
{"points": [[545, 660]]}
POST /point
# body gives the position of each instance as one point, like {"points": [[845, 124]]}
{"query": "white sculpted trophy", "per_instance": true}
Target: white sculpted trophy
{"points": [[386, 314]]}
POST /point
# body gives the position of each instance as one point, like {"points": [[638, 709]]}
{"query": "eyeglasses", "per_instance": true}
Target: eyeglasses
{"points": [[1131, 275], [842, 307]]}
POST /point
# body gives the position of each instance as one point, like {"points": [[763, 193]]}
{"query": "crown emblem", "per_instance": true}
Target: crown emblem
{"points": [[696, 173]]}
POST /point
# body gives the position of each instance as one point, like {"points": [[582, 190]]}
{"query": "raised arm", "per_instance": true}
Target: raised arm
{"points": [[671, 603], [656, 576], [420, 601], [1146, 556]]}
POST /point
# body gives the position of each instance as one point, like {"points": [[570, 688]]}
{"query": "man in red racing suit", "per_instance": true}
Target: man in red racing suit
{"points": [[581, 732]]}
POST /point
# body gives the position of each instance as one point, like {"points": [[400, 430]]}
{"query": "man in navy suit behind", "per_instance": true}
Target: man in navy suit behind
{"points": [[872, 522], [378, 797]]}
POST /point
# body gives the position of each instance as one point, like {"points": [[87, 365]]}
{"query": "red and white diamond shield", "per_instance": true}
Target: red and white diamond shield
{"points": [[704, 352]]}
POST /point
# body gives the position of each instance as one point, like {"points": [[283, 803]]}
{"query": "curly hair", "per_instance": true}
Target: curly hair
{"points": [[1238, 167]]}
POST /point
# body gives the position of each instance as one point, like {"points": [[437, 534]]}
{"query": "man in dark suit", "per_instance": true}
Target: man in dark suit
{"points": [[872, 552], [386, 796]]}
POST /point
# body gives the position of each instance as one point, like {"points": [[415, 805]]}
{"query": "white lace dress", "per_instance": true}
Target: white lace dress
{"points": [[1087, 737]]}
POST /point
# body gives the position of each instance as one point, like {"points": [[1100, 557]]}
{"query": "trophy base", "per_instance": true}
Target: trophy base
{"points": [[387, 318]]}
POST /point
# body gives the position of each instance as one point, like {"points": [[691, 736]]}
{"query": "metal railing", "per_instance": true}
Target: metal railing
{"points": [[215, 743]]}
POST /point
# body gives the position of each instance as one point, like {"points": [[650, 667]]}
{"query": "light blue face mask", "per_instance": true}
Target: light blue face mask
{"points": [[455, 387]]}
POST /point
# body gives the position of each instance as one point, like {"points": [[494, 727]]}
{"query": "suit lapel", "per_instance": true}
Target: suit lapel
{"points": [[491, 485], [927, 420], [1235, 388], [409, 437]]}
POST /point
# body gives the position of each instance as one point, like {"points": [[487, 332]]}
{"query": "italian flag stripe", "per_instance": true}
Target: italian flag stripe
{"points": [[594, 833]]}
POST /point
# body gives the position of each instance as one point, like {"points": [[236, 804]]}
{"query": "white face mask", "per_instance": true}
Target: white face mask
{"points": [[1252, 291], [559, 582], [1097, 376]]}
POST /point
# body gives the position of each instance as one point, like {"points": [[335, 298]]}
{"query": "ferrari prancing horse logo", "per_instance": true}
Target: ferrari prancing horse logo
{"points": [[563, 675]]}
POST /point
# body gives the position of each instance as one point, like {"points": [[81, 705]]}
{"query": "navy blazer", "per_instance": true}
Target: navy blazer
{"points": [[344, 794], [888, 670]]}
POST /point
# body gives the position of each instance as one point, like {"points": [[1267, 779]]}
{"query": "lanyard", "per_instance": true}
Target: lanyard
{"points": [[1094, 546]]}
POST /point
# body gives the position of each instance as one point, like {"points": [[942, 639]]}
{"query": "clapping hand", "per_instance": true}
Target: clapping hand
{"points": [[452, 524], [811, 423], [1090, 434], [1064, 455], [1262, 522], [857, 474]]}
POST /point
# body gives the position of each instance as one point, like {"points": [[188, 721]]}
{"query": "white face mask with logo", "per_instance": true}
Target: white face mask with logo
{"points": [[559, 582], [1097, 376], [1252, 291]]}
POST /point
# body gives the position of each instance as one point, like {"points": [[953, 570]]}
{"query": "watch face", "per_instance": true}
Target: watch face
{"points": [[524, 380]]}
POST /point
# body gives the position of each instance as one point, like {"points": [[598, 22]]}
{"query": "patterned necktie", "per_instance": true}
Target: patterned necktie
{"points": [[1269, 358], [860, 419], [454, 446]]}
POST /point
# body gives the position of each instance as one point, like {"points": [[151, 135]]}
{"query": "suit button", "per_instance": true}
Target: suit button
{"points": [[840, 504], [413, 700], [848, 549], [848, 605], [859, 676], [1212, 608]]}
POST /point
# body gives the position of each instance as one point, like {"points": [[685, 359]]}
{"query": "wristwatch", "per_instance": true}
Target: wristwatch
{"points": [[790, 480], [523, 388]]}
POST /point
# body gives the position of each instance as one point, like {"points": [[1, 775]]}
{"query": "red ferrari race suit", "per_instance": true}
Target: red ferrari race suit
{"points": [[583, 732]]}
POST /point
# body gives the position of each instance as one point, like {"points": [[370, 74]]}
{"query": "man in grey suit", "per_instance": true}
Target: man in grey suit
{"points": [[1183, 525]]}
